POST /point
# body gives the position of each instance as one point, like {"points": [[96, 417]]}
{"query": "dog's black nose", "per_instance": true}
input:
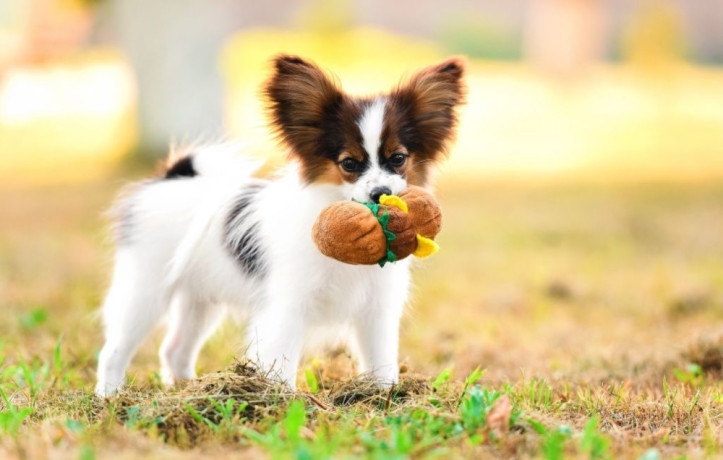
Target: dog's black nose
{"points": [[377, 193]]}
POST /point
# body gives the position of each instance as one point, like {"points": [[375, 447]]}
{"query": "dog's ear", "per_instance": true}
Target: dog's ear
{"points": [[426, 107], [300, 96]]}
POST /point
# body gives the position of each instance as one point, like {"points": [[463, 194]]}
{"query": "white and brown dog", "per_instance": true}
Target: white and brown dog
{"points": [[208, 239]]}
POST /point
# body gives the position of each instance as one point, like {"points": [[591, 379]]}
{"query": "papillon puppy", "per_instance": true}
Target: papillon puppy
{"points": [[208, 238]]}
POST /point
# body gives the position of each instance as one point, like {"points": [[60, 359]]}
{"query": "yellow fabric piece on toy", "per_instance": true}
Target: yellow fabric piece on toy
{"points": [[425, 247], [394, 200]]}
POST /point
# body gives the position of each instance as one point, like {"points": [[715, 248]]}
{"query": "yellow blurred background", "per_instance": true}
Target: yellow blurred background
{"points": [[588, 90]]}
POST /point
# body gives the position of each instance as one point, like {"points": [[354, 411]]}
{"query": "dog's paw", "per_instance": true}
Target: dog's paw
{"points": [[107, 389]]}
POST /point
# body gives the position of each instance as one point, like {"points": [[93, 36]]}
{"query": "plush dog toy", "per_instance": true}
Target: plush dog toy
{"points": [[369, 233]]}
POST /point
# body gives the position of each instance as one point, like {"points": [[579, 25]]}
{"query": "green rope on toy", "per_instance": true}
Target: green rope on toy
{"points": [[384, 221]]}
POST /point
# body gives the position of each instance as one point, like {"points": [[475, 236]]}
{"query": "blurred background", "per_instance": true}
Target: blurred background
{"points": [[559, 89], [583, 200]]}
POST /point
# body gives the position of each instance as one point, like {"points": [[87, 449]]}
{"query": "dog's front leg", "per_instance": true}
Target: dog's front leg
{"points": [[276, 336], [377, 337], [377, 325]]}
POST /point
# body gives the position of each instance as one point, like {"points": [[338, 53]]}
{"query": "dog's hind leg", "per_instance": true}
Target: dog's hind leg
{"points": [[189, 326], [131, 309], [275, 341]]}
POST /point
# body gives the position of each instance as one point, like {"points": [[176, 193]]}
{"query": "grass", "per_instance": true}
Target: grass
{"points": [[556, 322]]}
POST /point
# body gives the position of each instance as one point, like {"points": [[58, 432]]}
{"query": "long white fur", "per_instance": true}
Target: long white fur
{"points": [[370, 125], [175, 265]]}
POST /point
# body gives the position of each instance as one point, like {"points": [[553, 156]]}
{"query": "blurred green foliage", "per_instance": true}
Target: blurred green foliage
{"points": [[479, 37]]}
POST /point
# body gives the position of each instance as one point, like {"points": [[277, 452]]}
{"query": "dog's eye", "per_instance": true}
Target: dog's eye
{"points": [[350, 165], [397, 160]]}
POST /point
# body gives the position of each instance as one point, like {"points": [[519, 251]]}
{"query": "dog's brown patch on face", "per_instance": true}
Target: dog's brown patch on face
{"points": [[418, 170], [329, 175], [390, 147], [336, 174], [355, 153], [416, 166]]}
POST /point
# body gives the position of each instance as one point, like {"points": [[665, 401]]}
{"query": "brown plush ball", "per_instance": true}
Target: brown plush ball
{"points": [[424, 211], [348, 231], [400, 224]]}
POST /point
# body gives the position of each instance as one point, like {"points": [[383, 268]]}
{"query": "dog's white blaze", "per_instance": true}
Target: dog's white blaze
{"points": [[370, 125]]}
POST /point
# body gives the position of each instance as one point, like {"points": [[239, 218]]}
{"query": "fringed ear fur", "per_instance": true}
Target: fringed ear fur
{"points": [[426, 107], [300, 97]]}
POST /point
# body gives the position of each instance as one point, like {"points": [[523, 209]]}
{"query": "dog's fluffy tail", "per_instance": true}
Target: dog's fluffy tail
{"points": [[219, 160]]}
